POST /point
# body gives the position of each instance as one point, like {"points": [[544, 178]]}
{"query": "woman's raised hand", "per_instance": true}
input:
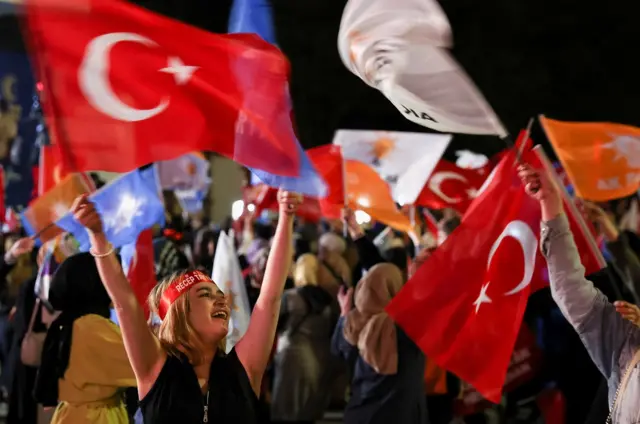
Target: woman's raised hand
{"points": [[84, 211], [288, 201], [628, 311]]}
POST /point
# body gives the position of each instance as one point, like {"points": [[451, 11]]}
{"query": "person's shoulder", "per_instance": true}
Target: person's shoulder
{"points": [[91, 324]]}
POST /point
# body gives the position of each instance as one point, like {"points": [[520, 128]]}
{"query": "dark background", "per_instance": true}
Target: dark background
{"points": [[567, 59]]}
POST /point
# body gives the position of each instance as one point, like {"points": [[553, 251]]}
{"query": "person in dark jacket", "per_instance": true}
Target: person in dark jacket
{"points": [[387, 382], [18, 377]]}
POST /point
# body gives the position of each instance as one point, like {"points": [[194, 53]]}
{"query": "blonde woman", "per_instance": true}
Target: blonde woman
{"points": [[182, 374], [612, 341]]}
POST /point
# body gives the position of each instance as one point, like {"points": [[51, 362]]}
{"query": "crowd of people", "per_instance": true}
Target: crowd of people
{"points": [[318, 337]]}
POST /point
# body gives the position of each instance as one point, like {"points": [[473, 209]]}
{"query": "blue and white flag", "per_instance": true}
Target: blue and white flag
{"points": [[128, 205]]}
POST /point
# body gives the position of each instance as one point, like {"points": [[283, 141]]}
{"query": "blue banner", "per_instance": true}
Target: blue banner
{"points": [[17, 128]]}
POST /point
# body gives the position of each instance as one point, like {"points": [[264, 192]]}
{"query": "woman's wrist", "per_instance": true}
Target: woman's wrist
{"points": [[99, 243], [551, 208]]}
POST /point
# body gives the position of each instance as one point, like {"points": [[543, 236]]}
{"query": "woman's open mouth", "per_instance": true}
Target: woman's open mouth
{"points": [[220, 314]]}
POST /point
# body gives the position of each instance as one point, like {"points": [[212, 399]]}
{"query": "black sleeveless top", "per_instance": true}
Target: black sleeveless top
{"points": [[176, 396]]}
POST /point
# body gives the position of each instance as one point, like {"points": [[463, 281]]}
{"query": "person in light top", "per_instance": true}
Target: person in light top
{"points": [[612, 340], [183, 374]]}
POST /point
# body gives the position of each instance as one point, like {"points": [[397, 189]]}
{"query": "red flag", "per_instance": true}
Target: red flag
{"points": [[267, 199], [473, 290], [450, 187], [526, 362], [328, 161], [126, 87], [51, 170], [365, 189], [141, 272]]}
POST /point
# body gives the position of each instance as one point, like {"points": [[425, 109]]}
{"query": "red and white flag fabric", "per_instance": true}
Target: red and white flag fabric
{"points": [[124, 87], [525, 365], [473, 290], [450, 187], [403, 159], [400, 48], [266, 199]]}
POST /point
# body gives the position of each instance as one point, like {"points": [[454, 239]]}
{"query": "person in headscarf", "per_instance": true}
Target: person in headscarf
{"points": [[388, 367], [303, 366], [84, 368]]}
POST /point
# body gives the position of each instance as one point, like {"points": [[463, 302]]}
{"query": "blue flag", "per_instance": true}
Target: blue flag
{"points": [[128, 206], [254, 16]]}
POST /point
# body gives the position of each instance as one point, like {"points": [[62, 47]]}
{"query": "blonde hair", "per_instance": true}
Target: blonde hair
{"points": [[306, 270], [175, 333]]}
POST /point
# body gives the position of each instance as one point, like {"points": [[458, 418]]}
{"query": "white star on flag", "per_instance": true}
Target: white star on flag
{"points": [[181, 72], [482, 298], [128, 209], [472, 193]]}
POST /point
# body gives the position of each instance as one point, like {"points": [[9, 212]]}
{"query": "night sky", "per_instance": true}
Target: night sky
{"points": [[567, 59]]}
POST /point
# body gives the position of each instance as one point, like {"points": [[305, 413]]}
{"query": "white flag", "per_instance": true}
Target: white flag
{"points": [[405, 160], [227, 275], [187, 172], [399, 47]]}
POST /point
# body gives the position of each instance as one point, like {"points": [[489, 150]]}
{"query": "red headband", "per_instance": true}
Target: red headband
{"points": [[177, 288]]}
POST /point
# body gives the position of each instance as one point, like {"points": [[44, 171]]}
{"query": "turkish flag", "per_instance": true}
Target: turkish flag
{"points": [[525, 365], [464, 305], [124, 87], [141, 272], [450, 187]]}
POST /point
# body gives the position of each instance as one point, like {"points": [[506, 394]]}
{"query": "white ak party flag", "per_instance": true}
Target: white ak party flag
{"points": [[227, 275], [404, 159], [400, 48]]}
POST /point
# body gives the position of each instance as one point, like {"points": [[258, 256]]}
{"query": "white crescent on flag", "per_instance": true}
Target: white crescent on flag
{"points": [[93, 77], [528, 242]]}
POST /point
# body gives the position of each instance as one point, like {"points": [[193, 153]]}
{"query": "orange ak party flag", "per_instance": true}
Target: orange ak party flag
{"points": [[366, 191], [602, 159], [53, 205]]}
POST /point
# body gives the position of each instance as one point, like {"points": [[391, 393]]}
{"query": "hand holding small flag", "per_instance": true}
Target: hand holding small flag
{"points": [[84, 211]]}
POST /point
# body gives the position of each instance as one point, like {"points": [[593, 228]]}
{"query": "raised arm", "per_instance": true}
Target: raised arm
{"points": [[602, 330], [255, 346], [143, 349]]}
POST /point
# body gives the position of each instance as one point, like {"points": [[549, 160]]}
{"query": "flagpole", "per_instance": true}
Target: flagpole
{"points": [[571, 205]]}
